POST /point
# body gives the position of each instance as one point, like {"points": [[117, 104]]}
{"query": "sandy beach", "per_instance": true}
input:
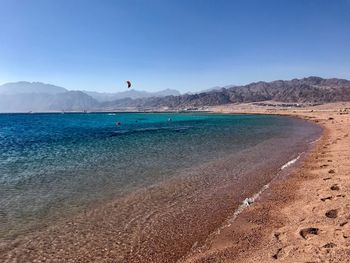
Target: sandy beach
{"points": [[302, 218]]}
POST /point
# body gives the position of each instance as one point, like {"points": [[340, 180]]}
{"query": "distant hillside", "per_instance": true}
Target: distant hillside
{"points": [[41, 102], [24, 87], [132, 94], [72, 101], [306, 90], [35, 96], [26, 96]]}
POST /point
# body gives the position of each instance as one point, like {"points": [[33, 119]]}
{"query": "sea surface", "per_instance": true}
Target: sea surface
{"points": [[57, 166]]}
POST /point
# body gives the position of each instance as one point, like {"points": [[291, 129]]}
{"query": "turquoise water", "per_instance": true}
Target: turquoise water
{"points": [[53, 165]]}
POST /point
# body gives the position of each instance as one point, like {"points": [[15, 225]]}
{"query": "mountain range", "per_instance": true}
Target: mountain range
{"points": [[26, 96], [132, 94], [312, 90], [25, 87]]}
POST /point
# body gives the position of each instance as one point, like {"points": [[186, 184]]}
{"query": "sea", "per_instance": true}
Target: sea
{"points": [[157, 180]]}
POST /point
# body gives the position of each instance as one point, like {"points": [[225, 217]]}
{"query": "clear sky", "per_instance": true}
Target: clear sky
{"points": [[181, 44]]}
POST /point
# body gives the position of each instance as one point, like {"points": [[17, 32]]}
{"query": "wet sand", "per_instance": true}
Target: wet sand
{"points": [[302, 218]]}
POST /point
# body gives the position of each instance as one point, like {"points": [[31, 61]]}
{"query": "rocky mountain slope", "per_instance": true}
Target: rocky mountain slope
{"points": [[43, 97], [306, 90]]}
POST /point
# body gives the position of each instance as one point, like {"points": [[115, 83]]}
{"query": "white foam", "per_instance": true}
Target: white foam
{"points": [[290, 162], [247, 202], [250, 200], [316, 140]]}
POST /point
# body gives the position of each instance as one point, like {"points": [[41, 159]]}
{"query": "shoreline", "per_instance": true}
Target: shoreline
{"points": [[301, 218], [285, 172], [218, 197]]}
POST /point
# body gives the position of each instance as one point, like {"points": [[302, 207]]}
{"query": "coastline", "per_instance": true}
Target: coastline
{"points": [[301, 218], [166, 234]]}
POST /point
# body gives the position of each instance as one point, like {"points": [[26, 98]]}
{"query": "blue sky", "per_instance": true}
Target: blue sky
{"points": [[181, 44]]}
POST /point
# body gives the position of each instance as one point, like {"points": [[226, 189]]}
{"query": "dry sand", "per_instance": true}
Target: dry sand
{"points": [[302, 218]]}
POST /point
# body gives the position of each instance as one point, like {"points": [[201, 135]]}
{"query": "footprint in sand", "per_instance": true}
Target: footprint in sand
{"points": [[277, 236], [343, 224], [333, 213], [330, 245], [326, 198], [331, 171], [306, 232], [277, 255], [340, 196], [324, 165], [335, 187]]}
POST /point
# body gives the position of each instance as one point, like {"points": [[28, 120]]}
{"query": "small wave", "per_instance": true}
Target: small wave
{"points": [[111, 114], [315, 140], [247, 202], [162, 128], [120, 132], [250, 200], [290, 162], [150, 129]]}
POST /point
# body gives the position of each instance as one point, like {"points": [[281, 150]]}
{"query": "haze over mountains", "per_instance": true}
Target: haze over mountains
{"points": [[132, 94], [26, 96], [36, 96], [24, 87]]}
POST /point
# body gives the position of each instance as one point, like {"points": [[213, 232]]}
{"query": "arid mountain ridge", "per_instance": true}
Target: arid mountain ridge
{"points": [[311, 90]]}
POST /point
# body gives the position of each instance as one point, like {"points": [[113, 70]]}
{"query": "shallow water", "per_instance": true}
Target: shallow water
{"points": [[53, 166]]}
